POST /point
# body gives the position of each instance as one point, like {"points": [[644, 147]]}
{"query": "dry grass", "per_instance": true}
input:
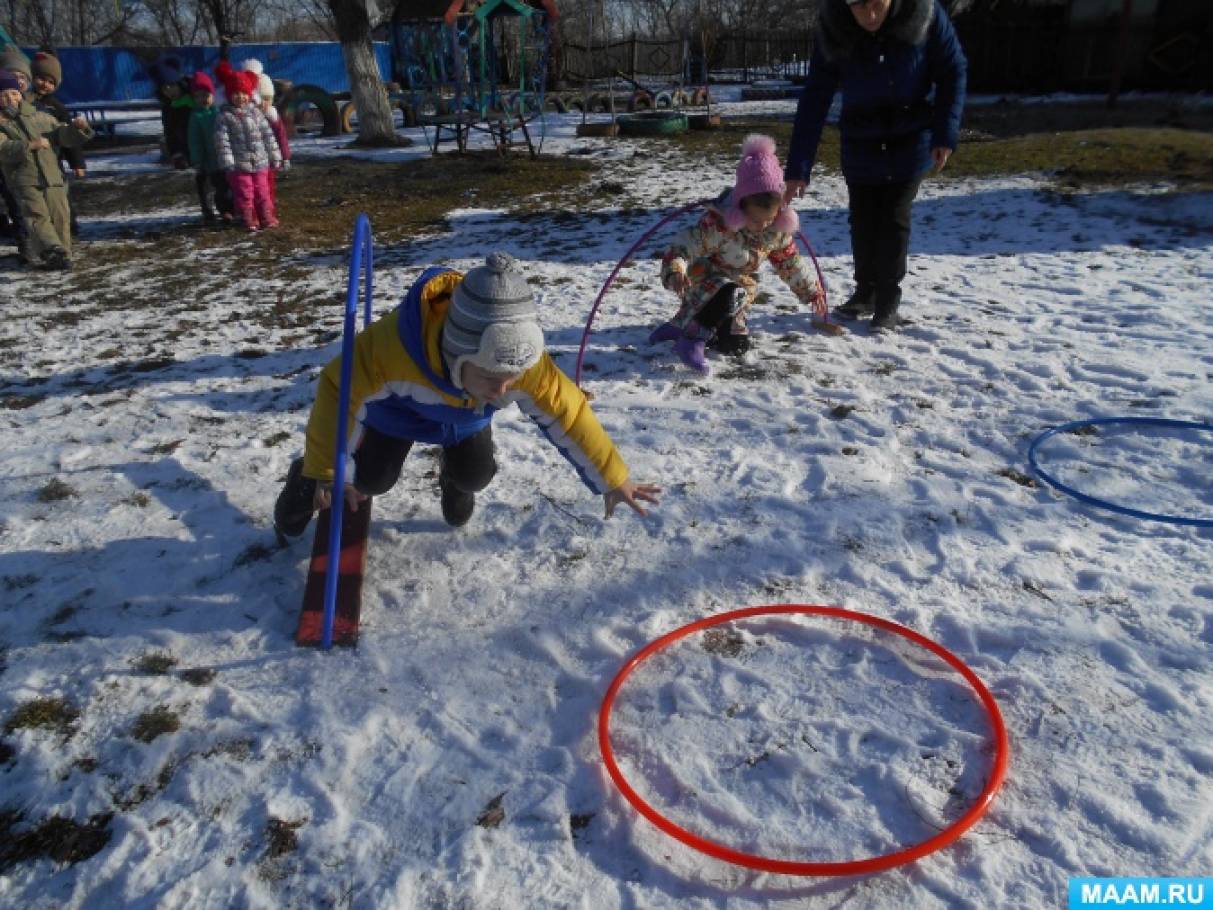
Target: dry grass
{"points": [[1080, 143]]}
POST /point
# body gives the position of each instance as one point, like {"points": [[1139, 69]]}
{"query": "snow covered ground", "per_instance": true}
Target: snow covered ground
{"points": [[451, 759]]}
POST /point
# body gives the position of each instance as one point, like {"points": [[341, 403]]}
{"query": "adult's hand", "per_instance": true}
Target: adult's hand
{"points": [[940, 156], [630, 493], [793, 189]]}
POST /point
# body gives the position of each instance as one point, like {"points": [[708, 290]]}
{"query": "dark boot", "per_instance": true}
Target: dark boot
{"points": [[457, 506], [294, 508], [888, 299], [56, 259], [860, 304], [727, 343]]}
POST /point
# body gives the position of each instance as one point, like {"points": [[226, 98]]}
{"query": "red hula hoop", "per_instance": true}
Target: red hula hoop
{"points": [[790, 867], [585, 335]]}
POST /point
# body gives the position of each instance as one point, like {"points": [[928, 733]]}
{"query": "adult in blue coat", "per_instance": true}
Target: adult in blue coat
{"points": [[901, 72]]}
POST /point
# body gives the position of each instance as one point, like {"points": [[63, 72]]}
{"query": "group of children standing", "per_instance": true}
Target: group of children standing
{"points": [[236, 150], [36, 133]]}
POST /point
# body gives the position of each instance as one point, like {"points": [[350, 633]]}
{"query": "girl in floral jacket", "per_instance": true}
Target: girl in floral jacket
{"points": [[713, 266], [247, 149]]}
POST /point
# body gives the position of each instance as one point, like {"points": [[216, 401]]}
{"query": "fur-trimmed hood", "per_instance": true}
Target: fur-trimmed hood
{"points": [[838, 33]]}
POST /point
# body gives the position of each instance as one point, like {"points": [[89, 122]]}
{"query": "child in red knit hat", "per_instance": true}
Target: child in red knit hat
{"points": [[209, 179], [713, 266], [247, 149]]}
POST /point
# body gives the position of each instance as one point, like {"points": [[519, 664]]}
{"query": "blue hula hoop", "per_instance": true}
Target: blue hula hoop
{"points": [[1103, 503]]}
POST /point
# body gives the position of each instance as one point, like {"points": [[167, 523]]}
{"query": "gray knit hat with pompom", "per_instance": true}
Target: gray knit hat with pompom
{"points": [[13, 59], [492, 321]]}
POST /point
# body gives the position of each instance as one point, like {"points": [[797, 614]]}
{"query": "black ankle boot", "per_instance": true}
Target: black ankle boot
{"points": [[295, 506], [727, 343], [457, 506], [860, 304], [888, 299]]}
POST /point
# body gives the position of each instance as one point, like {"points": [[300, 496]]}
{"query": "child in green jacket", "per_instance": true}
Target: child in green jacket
{"points": [[29, 158], [209, 179]]}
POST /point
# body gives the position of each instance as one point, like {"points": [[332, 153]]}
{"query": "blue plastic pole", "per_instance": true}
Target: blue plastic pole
{"points": [[360, 260]]}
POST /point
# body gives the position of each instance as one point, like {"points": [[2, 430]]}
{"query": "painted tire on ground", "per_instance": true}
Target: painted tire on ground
{"points": [[681, 98], [345, 116], [640, 101], [663, 101], [301, 95], [349, 113], [699, 97], [653, 123]]}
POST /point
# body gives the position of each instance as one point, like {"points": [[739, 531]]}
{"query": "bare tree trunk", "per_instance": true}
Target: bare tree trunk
{"points": [[375, 126]]}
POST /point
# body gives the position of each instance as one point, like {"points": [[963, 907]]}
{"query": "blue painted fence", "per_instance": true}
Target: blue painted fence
{"points": [[121, 74]]}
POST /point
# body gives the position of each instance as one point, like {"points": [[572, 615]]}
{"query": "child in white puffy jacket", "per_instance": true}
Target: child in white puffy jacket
{"points": [[247, 149]]}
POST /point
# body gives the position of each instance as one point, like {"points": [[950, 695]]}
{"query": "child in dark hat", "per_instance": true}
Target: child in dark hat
{"points": [[13, 59], [176, 103], [435, 370], [29, 159], [48, 76], [16, 64]]}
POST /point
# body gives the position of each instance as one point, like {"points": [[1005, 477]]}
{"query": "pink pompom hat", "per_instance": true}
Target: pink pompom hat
{"points": [[759, 172]]}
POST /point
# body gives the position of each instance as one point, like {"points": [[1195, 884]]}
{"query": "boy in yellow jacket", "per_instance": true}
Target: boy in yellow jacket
{"points": [[435, 370]]}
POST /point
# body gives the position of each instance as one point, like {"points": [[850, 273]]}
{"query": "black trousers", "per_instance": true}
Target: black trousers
{"points": [[468, 465], [14, 209], [880, 231], [213, 192]]}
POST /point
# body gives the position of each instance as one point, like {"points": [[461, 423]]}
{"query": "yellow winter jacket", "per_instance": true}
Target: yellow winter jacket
{"points": [[401, 387]]}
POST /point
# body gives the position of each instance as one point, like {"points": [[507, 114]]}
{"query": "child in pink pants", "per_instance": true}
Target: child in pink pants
{"points": [[247, 149]]}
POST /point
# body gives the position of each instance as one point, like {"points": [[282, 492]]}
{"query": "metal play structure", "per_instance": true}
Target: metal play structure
{"points": [[477, 66]]}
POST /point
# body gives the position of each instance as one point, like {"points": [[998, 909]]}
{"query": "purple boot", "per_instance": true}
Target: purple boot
{"points": [[667, 331], [691, 352]]}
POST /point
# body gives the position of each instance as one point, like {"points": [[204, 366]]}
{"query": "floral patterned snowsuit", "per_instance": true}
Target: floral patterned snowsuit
{"points": [[711, 256]]}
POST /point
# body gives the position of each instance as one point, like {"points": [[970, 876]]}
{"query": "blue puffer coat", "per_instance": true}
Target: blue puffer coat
{"points": [[902, 92]]}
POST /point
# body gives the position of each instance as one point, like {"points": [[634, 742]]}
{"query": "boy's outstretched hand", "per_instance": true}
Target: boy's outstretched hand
{"points": [[324, 497], [632, 493]]}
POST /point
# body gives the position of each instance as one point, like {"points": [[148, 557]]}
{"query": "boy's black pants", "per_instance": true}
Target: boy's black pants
{"points": [[468, 465], [880, 232]]}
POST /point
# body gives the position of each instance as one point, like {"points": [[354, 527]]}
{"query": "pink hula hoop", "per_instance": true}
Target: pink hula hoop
{"points": [[790, 867], [585, 335]]}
